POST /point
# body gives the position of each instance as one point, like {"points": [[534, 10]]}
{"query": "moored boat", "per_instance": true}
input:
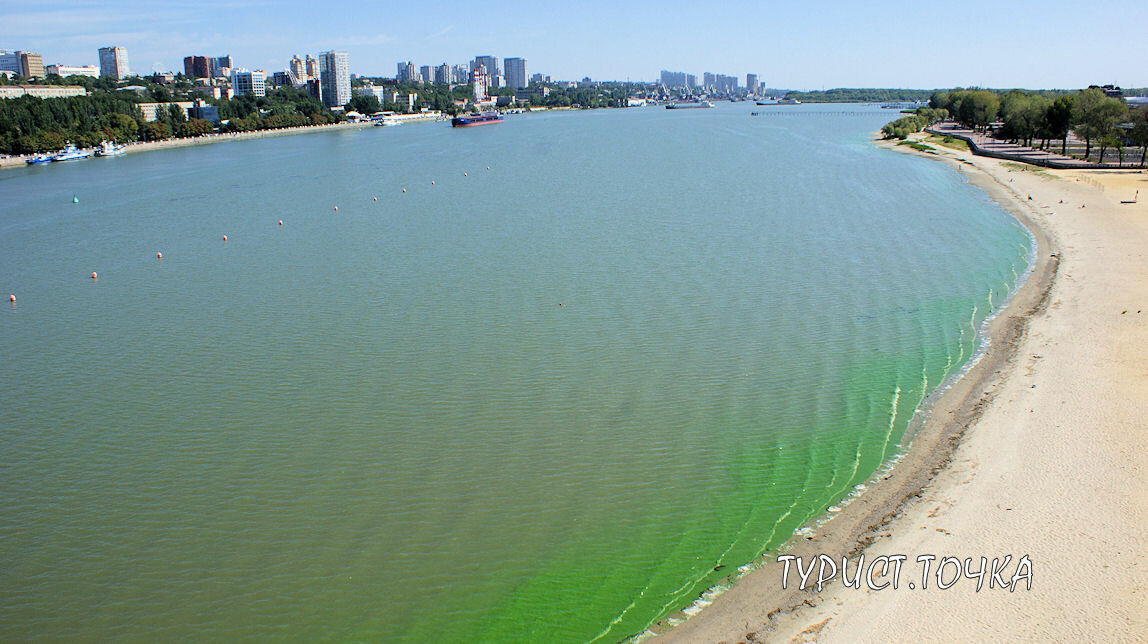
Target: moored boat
{"points": [[471, 120], [71, 153], [689, 106], [109, 149], [39, 159]]}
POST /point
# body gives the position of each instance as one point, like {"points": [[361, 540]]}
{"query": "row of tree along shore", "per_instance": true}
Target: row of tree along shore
{"points": [[111, 111], [1037, 119]]}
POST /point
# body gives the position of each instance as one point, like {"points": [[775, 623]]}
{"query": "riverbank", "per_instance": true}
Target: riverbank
{"points": [[19, 161], [1039, 450]]}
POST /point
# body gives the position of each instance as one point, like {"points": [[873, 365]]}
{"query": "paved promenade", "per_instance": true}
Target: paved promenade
{"points": [[984, 145]]}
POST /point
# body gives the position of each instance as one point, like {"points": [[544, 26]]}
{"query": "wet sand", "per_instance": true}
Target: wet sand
{"points": [[1041, 449]]}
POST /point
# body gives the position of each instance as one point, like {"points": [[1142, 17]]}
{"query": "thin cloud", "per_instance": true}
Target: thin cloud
{"points": [[441, 32]]}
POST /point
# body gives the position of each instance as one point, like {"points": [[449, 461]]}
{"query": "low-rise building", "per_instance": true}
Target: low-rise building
{"points": [[245, 82], [41, 91], [151, 111]]}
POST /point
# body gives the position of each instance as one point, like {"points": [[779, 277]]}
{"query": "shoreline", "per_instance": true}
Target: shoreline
{"points": [[137, 146], [894, 514]]}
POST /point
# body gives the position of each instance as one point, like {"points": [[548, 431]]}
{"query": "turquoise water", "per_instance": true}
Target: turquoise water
{"points": [[553, 400]]}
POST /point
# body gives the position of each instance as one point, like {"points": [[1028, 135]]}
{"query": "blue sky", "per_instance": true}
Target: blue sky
{"points": [[813, 44]]}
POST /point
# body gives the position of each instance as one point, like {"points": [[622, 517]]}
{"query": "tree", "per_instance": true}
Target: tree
{"points": [[1139, 132], [364, 104], [1058, 120], [1095, 116]]}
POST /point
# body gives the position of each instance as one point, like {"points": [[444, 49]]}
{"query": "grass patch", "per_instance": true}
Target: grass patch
{"points": [[1024, 167], [949, 142], [920, 147]]}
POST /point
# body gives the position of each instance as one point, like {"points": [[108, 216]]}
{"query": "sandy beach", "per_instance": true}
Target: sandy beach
{"points": [[1039, 451]]}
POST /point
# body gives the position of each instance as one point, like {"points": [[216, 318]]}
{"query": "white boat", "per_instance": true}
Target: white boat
{"points": [[387, 123], [71, 153], [110, 149]]}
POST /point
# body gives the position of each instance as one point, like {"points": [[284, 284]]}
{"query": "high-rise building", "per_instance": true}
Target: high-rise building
{"points": [[31, 64], [298, 70], [335, 78], [219, 66], [312, 66], [459, 74], [426, 74], [708, 79], [407, 72], [442, 74], [491, 64], [479, 82], [114, 62], [515, 73], [245, 82], [751, 83], [196, 67]]}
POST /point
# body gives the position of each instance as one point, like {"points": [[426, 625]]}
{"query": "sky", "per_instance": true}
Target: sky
{"points": [[811, 44]]}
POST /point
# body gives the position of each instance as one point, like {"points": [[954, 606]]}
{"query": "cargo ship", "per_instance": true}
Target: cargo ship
{"points": [[689, 106], [471, 120]]}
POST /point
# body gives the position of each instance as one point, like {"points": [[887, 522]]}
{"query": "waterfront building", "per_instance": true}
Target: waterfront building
{"points": [[152, 111], [527, 93], [72, 70], [335, 78], [220, 66], [245, 82], [751, 83], [196, 67], [426, 74], [515, 72], [491, 64], [41, 91], [114, 63], [201, 110], [679, 79]]}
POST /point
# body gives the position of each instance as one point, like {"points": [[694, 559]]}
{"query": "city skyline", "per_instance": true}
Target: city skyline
{"points": [[819, 46]]}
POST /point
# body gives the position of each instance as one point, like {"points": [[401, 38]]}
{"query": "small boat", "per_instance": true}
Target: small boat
{"points": [[71, 153], [471, 120], [109, 149], [387, 123], [39, 159]]}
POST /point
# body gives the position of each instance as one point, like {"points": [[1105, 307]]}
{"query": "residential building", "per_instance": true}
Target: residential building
{"points": [[245, 82], [491, 64], [152, 111], [406, 72], [459, 74], [442, 74], [220, 66], [41, 91], [114, 63], [71, 70], [707, 80], [426, 74], [298, 70], [282, 79], [479, 83], [315, 89], [525, 94], [516, 73], [312, 66], [539, 78], [335, 78], [31, 64], [196, 67], [371, 90], [751, 83], [679, 79]]}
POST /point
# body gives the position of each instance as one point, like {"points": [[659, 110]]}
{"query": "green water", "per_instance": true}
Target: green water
{"points": [[555, 400]]}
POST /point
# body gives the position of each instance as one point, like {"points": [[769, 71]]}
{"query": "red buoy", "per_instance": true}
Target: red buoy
{"points": [[404, 191], [93, 275], [432, 182], [376, 198], [159, 255], [336, 209], [11, 298], [465, 174], [280, 222], [225, 238]]}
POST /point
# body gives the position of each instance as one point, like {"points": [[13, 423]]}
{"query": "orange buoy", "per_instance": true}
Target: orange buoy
{"points": [[280, 222], [93, 275], [159, 255], [11, 298], [225, 238]]}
